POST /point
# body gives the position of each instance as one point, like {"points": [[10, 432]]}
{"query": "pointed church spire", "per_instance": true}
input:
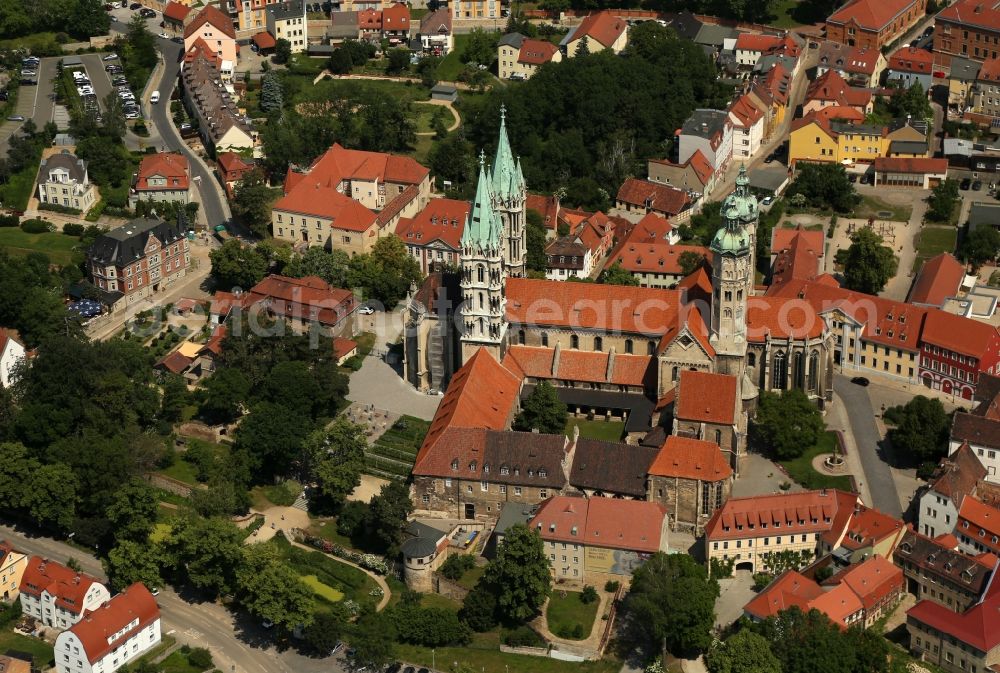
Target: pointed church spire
{"points": [[504, 171], [483, 230]]}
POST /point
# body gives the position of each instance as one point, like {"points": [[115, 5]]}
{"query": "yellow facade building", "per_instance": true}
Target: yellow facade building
{"points": [[816, 138]]}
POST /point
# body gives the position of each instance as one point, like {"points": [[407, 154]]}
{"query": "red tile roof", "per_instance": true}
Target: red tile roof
{"points": [[612, 523], [910, 59], [798, 254], [175, 362], [481, 394], [702, 167], [604, 27], [979, 626], [689, 458], [962, 335], [746, 113], [973, 13], [830, 86], [169, 165], [546, 206], [441, 220], [873, 15], [232, 164], [755, 42], [176, 11], [265, 40], [370, 19], [396, 17], [200, 49], [652, 228], [790, 589], [957, 475], [782, 318], [68, 587], [214, 343], [212, 15], [574, 365], [342, 346], [309, 298], [868, 527], [825, 511], [911, 165], [990, 70], [536, 52], [653, 196], [327, 203], [838, 112], [112, 624], [706, 397], [530, 458], [979, 522], [872, 580], [659, 257], [939, 278]]}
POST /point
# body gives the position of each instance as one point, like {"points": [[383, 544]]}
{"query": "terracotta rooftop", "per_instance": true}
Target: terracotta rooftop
{"points": [[825, 511], [873, 15], [171, 166], [706, 397], [972, 13], [176, 11], [659, 257], [68, 587], [978, 430], [688, 458], [441, 220], [830, 86], [979, 626], [536, 52], [911, 59], [212, 15], [604, 27], [308, 298], [790, 589], [868, 526], [577, 365], [653, 196], [612, 523], [957, 475], [110, 626], [980, 523]]}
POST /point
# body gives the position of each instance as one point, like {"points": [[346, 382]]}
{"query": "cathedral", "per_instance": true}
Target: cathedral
{"points": [[616, 351]]}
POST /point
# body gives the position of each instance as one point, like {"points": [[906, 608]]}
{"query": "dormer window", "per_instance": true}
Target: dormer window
{"points": [[472, 466], [543, 473], [486, 468], [504, 469], [454, 465]]}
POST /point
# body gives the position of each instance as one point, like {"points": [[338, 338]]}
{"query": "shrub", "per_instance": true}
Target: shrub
{"points": [[8, 220], [761, 580], [612, 586], [722, 569], [522, 636], [588, 595], [73, 229], [457, 565], [353, 519], [57, 208], [201, 658], [35, 226]]}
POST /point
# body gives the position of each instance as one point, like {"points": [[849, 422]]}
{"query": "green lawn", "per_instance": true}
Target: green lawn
{"points": [[439, 601], [323, 590], [58, 246], [327, 529], [300, 64], [282, 495], [39, 44], [483, 655], [801, 470], [793, 13], [569, 617], [178, 662], [423, 115], [609, 431], [871, 206], [471, 577], [20, 186], [932, 241], [38, 649], [451, 65], [331, 89], [182, 470], [351, 582]]}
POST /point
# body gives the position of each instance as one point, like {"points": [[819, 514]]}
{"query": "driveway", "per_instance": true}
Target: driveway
{"points": [[734, 593], [870, 447]]}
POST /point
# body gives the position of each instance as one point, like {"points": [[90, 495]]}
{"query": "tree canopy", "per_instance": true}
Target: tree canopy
{"points": [[235, 265], [942, 201], [980, 245], [921, 428], [824, 185], [869, 264], [786, 423], [542, 410], [519, 576]]}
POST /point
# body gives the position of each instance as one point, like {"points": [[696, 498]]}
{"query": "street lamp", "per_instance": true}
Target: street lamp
{"points": [[432, 658]]}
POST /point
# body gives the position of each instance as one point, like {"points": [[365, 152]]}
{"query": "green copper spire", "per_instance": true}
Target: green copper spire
{"points": [[505, 174], [731, 238], [483, 230], [743, 198]]}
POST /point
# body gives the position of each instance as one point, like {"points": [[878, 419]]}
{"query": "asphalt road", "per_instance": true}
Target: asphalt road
{"points": [[33, 102], [238, 644], [866, 437]]}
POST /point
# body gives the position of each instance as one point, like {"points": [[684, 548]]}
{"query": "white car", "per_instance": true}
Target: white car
{"points": [[110, 57], [154, 97], [767, 200], [366, 310], [163, 36]]}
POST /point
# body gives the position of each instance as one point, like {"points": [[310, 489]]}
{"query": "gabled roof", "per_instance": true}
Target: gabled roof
{"points": [[972, 13], [327, 202], [658, 257], [794, 323], [756, 42], [937, 557], [66, 586], [632, 525], [687, 458], [873, 15], [611, 468], [911, 59], [172, 166], [127, 244], [979, 522], [536, 52], [265, 40], [990, 72], [797, 254], [868, 526], [576, 365], [213, 16], [441, 220], [174, 362], [978, 430], [790, 589], [979, 626], [872, 580], [745, 112], [653, 195], [307, 298], [839, 113], [957, 475], [111, 625], [959, 334], [176, 11], [939, 278], [604, 27], [438, 21], [231, 161], [830, 86], [706, 397], [824, 511], [499, 456], [396, 17]]}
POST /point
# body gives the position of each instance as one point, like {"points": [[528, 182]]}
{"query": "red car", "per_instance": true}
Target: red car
{"points": [[939, 74]]}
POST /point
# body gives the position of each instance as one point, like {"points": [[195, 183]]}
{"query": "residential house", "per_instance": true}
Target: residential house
{"points": [[304, 303], [396, 23], [908, 138], [955, 478], [348, 199], [163, 176], [216, 30], [978, 527], [939, 279], [860, 594], [909, 66], [208, 99], [938, 573], [695, 176], [830, 89], [57, 596], [710, 131], [986, 94], [548, 208], [231, 168], [636, 198], [568, 257], [287, 21], [980, 428], [691, 478], [174, 16], [814, 138], [475, 9], [343, 26], [859, 66], [361, 5], [600, 31], [922, 173], [435, 32], [519, 57], [962, 79], [708, 407], [135, 261], [966, 29], [63, 181], [12, 566], [769, 92], [111, 636], [12, 354], [599, 536], [750, 47], [655, 264], [956, 351], [748, 127], [433, 237], [247, 16], [873, 23]]}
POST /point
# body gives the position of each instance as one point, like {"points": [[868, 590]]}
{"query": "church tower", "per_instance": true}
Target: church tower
{"points": [[483, 311], [733, 252], [509, 194]]}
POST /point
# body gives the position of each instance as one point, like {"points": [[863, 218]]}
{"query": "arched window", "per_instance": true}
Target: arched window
{"points": [[799, 370], [481, 273], [480, 300], [751, 360], [628, 346], [779, 375], [675, 374], [718, 437], [727, 314], [598, 343], [482, 326], [520, 336], [574, 341], [813, 369], [545, 339], [650, 348]]}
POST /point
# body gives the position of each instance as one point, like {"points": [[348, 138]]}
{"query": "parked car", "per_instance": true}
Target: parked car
{"points": [[163, 36], [134, 6], [977, 185], [860, 381], [15, 118], [767, 200], [154, 97], [110, 57], [965, 184], [147, 13], [366, 310]]}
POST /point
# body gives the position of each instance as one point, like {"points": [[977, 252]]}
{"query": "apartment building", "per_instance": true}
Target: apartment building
{"points": [[57, 596], [63, 181], [966, 29]]}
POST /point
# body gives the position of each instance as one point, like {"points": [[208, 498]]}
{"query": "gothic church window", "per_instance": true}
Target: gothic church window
{"points": [[574, 341], [779, 377]]}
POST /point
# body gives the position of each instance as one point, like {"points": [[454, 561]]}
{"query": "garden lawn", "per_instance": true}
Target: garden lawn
{"points": [[183, 471], [801, 470], [323, 590], [281, 495], [327, 529], [609, 431], [451, 65], [439, 601], [471, 577], [40, 650], [566, 612], [932, 241], [58, 246], [871, 206], [484, 655], [353, 583], [784, 14], [330, 89], [424, 115], [20, 186]]}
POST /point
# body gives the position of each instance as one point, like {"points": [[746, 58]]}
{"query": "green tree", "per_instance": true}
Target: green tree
{"points": [[50, 496], [869, 264], [796, 637], [786, 423], [671, 604], [340, 62], [387, 272], [225, 393], [132, 561], [398, 61], [335, 458], [133, 511], [175, 397], [331, 266], [921, 428], [535, 231], [327, 629], [271, 436], [428, 627], [911, 102], [743, 652], [206, 553], [480, 49], [479, 608], [824, 185], [271, 590], [390, 510], [542, 410], [252, 200], [373, 639], [272, 95], [690, 261], [582, 47], [235, 265], [616, 274], [979, 246], [942, 201], [354, 519], [282, 51], [519, 576]]}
